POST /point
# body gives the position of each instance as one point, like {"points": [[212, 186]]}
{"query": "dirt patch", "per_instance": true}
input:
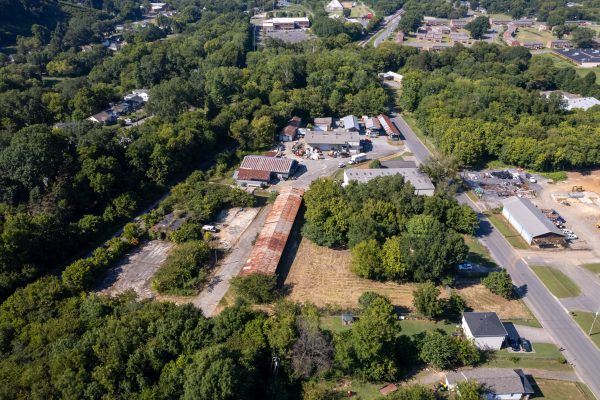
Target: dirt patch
{"points": [[589, 180], [322, 276], [136, 269], [232, 223], [479, 298]]}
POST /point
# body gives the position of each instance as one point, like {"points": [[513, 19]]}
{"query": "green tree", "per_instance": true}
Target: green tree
{"points": [[392, 259], [455, 304], [470, 390], [366, 260], [439, 350], [499, 283], [375, 164], [183, 270], [425, 300], [412, 392], [410, 21], [263, 131], [478, 27], [582, 36], [255, 288]]}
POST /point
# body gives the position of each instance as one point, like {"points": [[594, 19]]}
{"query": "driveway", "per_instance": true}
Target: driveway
{"points": [[535, 335], [230, 266]]}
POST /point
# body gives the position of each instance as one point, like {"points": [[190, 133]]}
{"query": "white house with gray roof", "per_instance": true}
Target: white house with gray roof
{"points": [[530, 222], [333, 140], [498, 383], [351, 123], [421, 182], [484, 329]]}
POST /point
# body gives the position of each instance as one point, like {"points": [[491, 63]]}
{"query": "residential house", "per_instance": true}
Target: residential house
{"points": [[391, 76], [524, 22], [533, 45], [559, 44], [531, 223], [498, 383], [143, 94], [431, 21], [456, 24], [372, 125], [103, 117], [484, 329], [288, 133], [460, 37], [334, 5], [500, 21], [421, 182]]}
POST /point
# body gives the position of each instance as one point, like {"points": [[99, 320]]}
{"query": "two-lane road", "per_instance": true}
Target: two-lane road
{"points": [[580, 351]]}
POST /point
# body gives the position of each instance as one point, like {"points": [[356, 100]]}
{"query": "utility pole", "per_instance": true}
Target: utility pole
{"points": [[593, 322]]}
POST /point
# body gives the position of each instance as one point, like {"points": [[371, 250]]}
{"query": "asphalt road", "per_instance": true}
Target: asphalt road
{"points": [[579, 350], [388, 26]]}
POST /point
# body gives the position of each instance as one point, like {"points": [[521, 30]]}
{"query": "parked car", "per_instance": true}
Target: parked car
{"points": [[572, 236], [210, 228], [465, 266], [568, 231], [532, 179], [514, 344], [341, 165], [525, 345]]}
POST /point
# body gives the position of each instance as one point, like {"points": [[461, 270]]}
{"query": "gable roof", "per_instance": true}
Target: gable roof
{"points": [[498, 381], [530, 217], [271, 164], [484, 324], [350, 122], [253, 175]]}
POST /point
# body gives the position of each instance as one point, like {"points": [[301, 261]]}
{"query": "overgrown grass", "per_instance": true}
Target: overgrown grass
{"points": [[508, 231], [533, 322], [557, 176], [584, 320], [478, 253], [556, 281], [333, 323]]}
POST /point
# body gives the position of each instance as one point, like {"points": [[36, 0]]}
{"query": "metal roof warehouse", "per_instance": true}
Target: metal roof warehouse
{"points": [[583, 57], [420, 181], [283, 167], [530, 222]]}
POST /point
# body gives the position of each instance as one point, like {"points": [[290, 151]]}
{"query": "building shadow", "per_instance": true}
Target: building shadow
{"points": [[290, 250]]}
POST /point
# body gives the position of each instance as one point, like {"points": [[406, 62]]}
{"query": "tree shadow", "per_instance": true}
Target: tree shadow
{"points": [[520, 291]]}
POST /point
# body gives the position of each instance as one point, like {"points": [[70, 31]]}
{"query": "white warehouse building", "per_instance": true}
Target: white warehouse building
{"points": [[531, 223]]}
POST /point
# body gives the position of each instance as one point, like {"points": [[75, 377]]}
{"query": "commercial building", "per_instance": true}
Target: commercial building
{"points": [[531, 223], [389, 127], [484, 329], [524, 23], [372, 124], [323, 124], [500, 21], [585, 58], [257, 167], [460, 37], [337, 140], [533, 45], [286, 24], [421, 182], [350, 123], [268, 248], [574, 101], [459, 23], [499, 383], [559, 44]]}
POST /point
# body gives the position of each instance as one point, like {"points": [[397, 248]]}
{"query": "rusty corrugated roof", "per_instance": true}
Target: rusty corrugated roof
{"points": [[267, 250], [261, 163], [253, 175]]}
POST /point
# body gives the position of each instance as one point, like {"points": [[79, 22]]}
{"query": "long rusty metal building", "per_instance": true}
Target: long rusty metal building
{"points": [[267, 250]]}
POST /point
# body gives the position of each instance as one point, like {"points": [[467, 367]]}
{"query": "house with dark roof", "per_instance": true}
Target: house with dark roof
{"points": [[484, 329], [103, 117], [531, 223], [498, 383]]}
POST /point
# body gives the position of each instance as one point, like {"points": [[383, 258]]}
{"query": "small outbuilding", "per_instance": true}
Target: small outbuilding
{"points": [[484, 329], [351, 123], [531, 223], [257, 170], [323, 124]]}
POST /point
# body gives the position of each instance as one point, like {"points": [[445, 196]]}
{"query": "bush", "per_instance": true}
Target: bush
{"points": [[184, 269], [188, 231], [426, 302], [499, 283], [255, 288], [366, 259], [375, 164]]}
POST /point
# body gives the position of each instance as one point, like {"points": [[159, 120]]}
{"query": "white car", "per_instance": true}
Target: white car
{"points": [[568, 231], [465, 266], [572, 236], [532, 179], [341, 165], [210, 228]]}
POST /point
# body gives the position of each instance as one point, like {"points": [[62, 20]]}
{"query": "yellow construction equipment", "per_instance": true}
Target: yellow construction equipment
{"points": [[577, 189]]}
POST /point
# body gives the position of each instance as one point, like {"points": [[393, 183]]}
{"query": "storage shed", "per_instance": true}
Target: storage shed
{"points": [[531, 223]]}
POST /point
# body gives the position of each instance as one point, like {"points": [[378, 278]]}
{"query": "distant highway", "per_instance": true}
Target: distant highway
{"points": [[579, 349], [388, 26]]}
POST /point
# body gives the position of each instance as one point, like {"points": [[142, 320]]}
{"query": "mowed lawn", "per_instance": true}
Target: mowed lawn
{"points": [[595, 268], [546, 356], [584, 319], [560, 390], [511, 235], [556, 281], [562, 63], [322, 276]]}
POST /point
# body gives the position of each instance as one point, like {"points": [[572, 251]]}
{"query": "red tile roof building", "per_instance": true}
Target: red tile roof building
{"points": [[266, 253]]}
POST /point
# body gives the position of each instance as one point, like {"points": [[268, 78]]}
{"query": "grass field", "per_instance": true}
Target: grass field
{"points": [[533, 35], [359, 11], [584, 319], [595, 268], [546, 357], [508, 231], [322, 276], [560, 390], [409, 327], [478, 253], [561, 63], [556, 281]]}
